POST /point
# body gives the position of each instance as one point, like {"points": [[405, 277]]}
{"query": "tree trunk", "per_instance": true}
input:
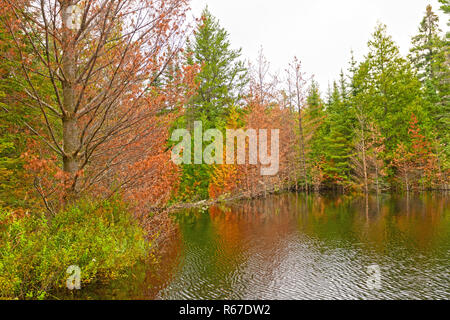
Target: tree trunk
{"points": [[407, 182], [71, 163], [366, 182], [367, 207], [302, 149], [376, 176]]}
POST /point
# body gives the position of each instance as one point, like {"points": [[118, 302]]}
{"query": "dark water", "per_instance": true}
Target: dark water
{"points": [[305, 247], [315, 247]]}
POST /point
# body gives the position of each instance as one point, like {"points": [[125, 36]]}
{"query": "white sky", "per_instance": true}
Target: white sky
{"points": [[320, 33]]}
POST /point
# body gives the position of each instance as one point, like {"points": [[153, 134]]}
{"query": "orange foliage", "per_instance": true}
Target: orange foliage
{"points": [[113, 86], [417, 164], [251, 182]]}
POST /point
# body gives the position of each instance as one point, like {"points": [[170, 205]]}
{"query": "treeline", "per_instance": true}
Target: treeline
{"points": [[89, 110], [385, 122], [382, 126]]}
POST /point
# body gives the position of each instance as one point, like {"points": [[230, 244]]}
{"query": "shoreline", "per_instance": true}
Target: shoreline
{"points": [[207, 203]]}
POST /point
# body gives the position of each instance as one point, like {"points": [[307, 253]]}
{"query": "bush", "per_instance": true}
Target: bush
{"points": [[102, 238]]}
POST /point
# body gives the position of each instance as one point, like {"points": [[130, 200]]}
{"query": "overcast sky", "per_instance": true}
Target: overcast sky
{"points": [[320, 33]]}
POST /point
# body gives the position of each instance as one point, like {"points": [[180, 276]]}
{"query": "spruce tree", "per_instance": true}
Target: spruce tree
{"points": [[314, 132], [391, 89], [427, 47], [337, 140], [222, 77], [429, 56], [221, 83]]}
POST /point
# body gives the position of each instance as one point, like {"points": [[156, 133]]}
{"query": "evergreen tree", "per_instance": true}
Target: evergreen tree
{"points": [[427, 47], [314, 132], [343, 86], [221, 83], [429, 56], [390, 88], [314, 101], [353, 68], [222, 78], [365, 157], [337, 142]]}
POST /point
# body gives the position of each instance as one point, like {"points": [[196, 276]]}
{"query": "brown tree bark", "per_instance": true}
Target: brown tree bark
{"points": [[296, 84], [70, 134]]}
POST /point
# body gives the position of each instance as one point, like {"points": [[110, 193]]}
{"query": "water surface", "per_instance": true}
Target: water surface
{"points": [[301, 247], [314, 247]]}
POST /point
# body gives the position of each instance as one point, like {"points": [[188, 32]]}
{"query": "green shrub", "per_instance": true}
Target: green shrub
{"points": [[102, 238]]}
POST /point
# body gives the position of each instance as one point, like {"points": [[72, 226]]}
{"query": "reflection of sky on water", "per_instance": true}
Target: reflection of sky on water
{"points": [[289, 247]]}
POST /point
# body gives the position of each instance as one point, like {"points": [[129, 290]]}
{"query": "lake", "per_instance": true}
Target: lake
{"points": [[294, 246]]}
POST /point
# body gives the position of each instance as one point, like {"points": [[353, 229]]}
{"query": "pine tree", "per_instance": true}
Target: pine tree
{"points": [[343, 86], [337, 142], [429, 56], [389, 88], [427, 47], [353, 68], [314, 128], [222, 77], [221, 82]]}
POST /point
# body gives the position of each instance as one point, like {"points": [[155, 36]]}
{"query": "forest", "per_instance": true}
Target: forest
{"points": [[91, 92]]}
